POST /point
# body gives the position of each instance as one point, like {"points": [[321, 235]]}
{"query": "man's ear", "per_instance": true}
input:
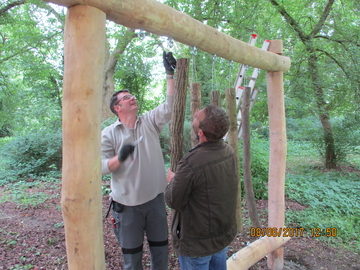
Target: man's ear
{"points": [[117, 108], [200, 133]]}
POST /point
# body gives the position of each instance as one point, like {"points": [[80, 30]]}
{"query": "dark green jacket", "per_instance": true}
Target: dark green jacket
{"points": [[204, 194]]}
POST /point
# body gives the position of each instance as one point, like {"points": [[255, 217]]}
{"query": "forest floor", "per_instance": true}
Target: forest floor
{"points": [[34, 238]]}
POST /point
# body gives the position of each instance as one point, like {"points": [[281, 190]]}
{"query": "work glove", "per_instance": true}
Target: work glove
{"points": [[125, 151], [169, 63]]}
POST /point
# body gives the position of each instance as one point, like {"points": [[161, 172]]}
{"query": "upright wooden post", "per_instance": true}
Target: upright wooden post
{"points": [[178, 112], [195, 105], [81, 198], [277, 154], [230, 96]]}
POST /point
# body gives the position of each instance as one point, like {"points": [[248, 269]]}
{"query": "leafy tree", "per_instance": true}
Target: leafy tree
{"points": [[30, 82], [318, 37]]}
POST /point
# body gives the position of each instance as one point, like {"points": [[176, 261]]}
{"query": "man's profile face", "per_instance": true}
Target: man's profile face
{"points": [[127, 102], [198, 117]]}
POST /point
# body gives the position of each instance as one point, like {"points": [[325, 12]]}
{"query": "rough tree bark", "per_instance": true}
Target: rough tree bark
{"points": [[249, 192], [178, 113], [195, 105], [215, 98], [232, 136]]}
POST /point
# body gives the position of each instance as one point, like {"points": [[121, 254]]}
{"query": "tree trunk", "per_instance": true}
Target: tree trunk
{"points": [[329, 144], [215, 98], [245, 119], [178, 113], [109, 69], [307, 39], [195, 105], [81, 198], [234, 143]]}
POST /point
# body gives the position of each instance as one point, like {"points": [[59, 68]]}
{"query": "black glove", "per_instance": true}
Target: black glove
{"points": [[125, 151], [169, 63]]}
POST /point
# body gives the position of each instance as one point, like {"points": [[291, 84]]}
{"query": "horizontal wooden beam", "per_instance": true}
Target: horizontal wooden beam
{"points": [[162, 20], [254, 252]]}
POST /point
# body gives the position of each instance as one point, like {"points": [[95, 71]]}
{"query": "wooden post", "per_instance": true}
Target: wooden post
{"points": [[195, 105], [215, 98], [249, 191], [162, 20], [277, 155], [81, 197], [178, 113], [254, 252], [230, 96]]}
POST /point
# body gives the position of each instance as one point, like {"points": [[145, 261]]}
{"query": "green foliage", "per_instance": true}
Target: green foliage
{"points": [[25, 194], [345, 131], [30, 67], [332, 200], [302, 129], [32, 155], [347, 137]]}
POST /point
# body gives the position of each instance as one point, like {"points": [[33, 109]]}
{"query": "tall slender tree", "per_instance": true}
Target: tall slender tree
{"points": [[315, 25]]}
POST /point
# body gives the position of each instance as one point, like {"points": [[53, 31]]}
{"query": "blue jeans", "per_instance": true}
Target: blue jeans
{"points": [[216, 261]]}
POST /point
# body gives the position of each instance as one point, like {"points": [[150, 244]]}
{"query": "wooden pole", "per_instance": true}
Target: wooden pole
{"points": [[195, 105], [249, 191], [230, 96], [178, 112], [215, 98], [254, 252], [81, 197], [277, 155], [162, 20]]}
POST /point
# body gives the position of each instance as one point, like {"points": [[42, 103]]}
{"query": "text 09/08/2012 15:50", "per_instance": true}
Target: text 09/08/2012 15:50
{"points": [[292, 232]]}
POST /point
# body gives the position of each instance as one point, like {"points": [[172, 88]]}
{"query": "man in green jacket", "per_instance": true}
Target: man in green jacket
{"points": [[203, 193]]}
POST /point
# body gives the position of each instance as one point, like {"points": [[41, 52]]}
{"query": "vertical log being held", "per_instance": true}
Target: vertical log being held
{"points": [[81, 197], [195, 105], [178, 113], [230, 96], [277, 154], [215, 98]]}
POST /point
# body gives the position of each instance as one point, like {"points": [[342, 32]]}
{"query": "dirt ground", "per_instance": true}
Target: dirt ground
{"points": [[34, 238]]}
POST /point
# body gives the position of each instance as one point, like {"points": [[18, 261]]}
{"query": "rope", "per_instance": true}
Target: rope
{"points": [[213, 72], [193, 52], [231, 63]]}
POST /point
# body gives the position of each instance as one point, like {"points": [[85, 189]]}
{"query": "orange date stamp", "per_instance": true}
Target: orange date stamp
{"points": [[292, 232]]}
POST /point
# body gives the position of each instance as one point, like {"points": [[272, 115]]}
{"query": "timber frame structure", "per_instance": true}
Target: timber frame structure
{"points": [[84, 49]]}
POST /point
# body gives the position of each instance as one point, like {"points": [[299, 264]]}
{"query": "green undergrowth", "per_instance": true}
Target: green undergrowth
{"points": [[29, 194], [331, 198]]}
